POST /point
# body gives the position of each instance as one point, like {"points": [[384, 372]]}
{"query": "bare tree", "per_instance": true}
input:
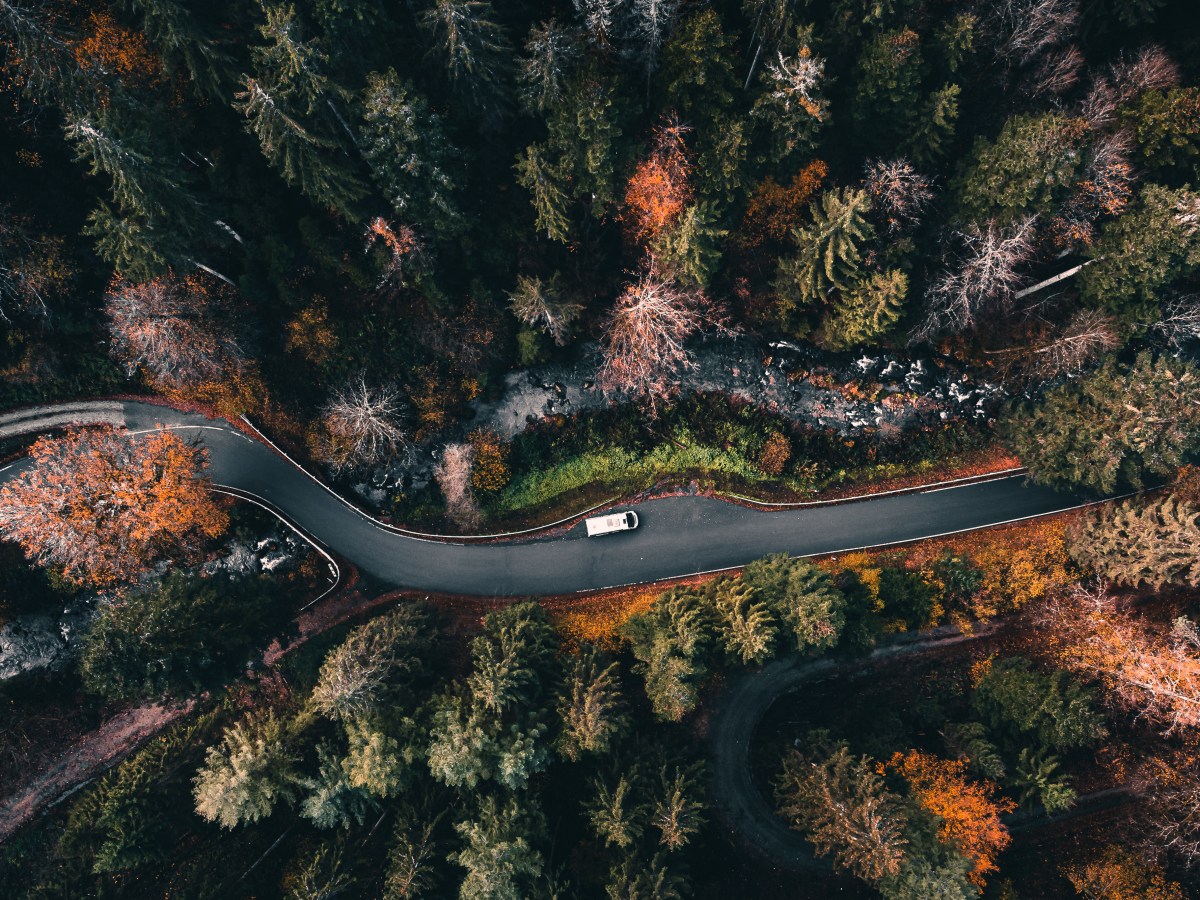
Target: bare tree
{"points": [[1087, 336], [1180, 321], [899, 193], [174, 329], [362, 426], [1152, 673], [982, 279], [1104, 189], [543, 304], [1169, 818], [1024, 29], [794, 82], [1057, 73], [1150, 69], [643, 342], [453, 476], [30, 268]]}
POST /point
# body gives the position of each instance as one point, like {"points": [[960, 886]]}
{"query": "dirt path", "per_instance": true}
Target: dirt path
{"points": [[89, 757]]}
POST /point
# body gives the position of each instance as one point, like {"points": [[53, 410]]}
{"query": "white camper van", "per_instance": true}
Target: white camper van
{"points": [[598, 525]]}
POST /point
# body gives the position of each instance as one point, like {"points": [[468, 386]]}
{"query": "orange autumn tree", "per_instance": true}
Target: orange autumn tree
{"points": [[1152, 669], [102, 506], [774, 210], [660, 188], [968, 810], [1116, 874], [108, 46]]}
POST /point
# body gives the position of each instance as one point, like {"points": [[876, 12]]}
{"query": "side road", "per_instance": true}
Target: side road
{"points": [[742, 706], [746, 700]]}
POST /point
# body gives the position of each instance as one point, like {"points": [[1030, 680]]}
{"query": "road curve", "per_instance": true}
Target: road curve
{"points": [[678, 535], [740, 709]]}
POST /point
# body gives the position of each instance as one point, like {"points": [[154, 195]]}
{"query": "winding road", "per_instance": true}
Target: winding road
{"points": [[678, 535]]}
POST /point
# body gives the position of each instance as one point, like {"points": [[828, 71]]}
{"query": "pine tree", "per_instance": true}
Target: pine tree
{"points": [[546, 183], [844, 808], [697, 76], [590, 705], [185, 43], [887, 80], [829, 248], [1141, 254], [180, 636], [552, 52], [1166, 127], [615, 814], [803, 597], [867, 310], [635, 879], [320, 877], [37, 44], [652, 22], [154, 220], [968, 741], [934, 126], [1135, 543], [1025, 171], [1112, 428], [247, 774], [1055, 709], [1038, 780], [119, 822], [690, 250], [677, 813], [496, 729], [510, 657], [498, 850], [290, 105], [472, 48], [113, 145], [302, 155], [375, 762], [669, 643], [364, 669], [330, 800], [747, 626], [411, 872], [411, 159]]}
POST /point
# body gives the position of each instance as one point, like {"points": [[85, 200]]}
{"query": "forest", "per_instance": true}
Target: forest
{"points": [[483, 265]]}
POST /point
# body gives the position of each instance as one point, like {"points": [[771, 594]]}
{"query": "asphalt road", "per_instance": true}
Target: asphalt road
{"points": [[678, 535]]}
